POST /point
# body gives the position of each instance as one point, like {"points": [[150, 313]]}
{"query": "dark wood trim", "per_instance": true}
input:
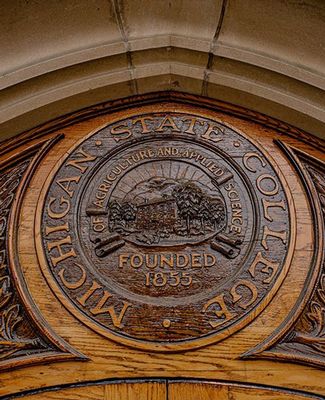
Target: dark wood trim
{"points": [[150, 98]]}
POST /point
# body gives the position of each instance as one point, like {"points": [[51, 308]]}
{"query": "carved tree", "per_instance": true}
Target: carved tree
{"points": [[114, 214], [188, 199]]}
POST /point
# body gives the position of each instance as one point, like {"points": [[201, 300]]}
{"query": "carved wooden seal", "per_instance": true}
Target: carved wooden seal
{"points": [[165, 231]]}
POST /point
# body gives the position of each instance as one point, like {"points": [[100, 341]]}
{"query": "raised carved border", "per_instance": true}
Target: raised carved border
{"points": [[25, 338], [301, 337]]}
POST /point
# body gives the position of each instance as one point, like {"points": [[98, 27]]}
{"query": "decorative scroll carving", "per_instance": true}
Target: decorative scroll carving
{"points": [[21, 342], [16, 335], [304, 340], [308, 335], [310, 330]]}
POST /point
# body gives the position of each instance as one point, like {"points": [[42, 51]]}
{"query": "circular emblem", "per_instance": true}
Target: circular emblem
{"points": [[165, 231]]}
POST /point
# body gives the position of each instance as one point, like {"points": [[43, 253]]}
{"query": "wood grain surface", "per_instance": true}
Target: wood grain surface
{"points": [[113, 355], [169, 390], [113, 391], [207, 391]]}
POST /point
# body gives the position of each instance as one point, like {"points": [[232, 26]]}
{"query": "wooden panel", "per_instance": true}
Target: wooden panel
{"points": [[113, 391], [171, 391], [136, 391], [81, 393], [204, 391], [197, 391]]}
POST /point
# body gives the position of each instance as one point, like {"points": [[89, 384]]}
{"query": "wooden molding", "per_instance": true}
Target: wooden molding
{"points": [[162, 388]]}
